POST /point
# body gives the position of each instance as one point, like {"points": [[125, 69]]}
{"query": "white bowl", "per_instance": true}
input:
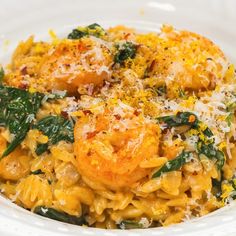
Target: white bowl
{"points": [[215, 19]]}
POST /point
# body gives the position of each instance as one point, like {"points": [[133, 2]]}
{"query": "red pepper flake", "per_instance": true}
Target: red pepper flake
{"points": [[24, 70], [64, 114], [91, 134], [81, 47], [23, 86], [87, 112], [136, 112], [117, 116], [151, 67]]}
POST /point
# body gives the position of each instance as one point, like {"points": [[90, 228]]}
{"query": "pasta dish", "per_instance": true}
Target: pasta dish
{"points": [[118, 129]]}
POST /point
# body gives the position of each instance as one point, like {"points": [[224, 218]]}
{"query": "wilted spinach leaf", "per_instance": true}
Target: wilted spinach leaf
{"points": [[125, 51], [56, 128], [216, 187], [182, 93], [59, 215], [231, 107], [93, 29], [161, 90], [37, 172], [94, 26], [174, 164], [2, 74], [205, 145], [181, 118], [212, 153], [77, 34], [130, 224], [17, 111]]}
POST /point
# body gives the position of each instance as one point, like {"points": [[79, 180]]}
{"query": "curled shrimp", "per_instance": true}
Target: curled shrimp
{"points": [[187, 60], [66, 65], [76, 62], [109, 147]]}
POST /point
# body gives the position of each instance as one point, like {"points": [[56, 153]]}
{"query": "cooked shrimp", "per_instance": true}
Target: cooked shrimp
{"points": [[76, 62], [110, 146], [64, 66], [187, 60]]}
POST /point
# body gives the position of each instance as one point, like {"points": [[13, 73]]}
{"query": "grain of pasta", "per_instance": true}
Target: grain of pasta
{"points": [[142, 127]]}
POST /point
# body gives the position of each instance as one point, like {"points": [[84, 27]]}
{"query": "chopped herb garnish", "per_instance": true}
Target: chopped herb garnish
{"points": [[174, 164], [56, 128], [59, 215]]}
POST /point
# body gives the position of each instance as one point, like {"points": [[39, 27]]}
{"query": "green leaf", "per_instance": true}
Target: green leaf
{"points": [[212, 153], [130, 224], [205, 145], [184, 118], [17, 112], [230, 195], [19, 137], [59, 215], [207, 132], [161, 90], [125, 51], [181, 118], [37, 172], [174, 164], [56, 128], [2, 74], [229, 118], [18, 109], [77, 34], [231, 107], [182, 93], [216, 187], [95, 26], [232, 182], [93, 29]]}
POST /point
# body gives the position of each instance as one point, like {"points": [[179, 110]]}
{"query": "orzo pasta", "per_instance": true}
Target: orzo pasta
{"points": [[118, 129]]}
